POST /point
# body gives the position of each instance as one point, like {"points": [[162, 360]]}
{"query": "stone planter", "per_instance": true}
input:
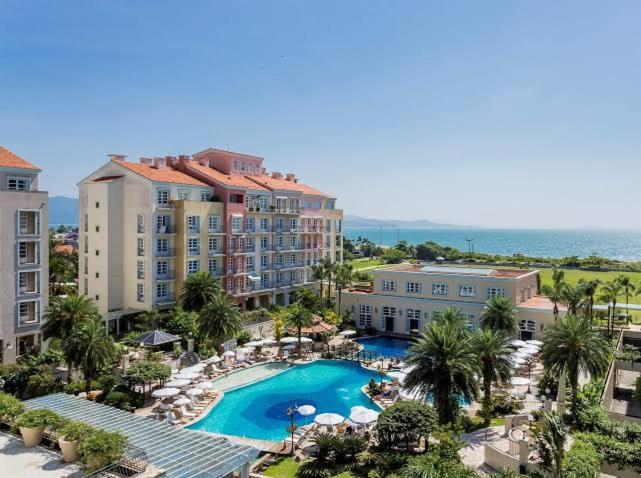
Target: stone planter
{"points": [[31, 436], [69, 450]]}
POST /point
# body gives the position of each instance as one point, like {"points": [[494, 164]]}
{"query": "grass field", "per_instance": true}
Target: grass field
{"points": [[365, 264], [286, 468]]}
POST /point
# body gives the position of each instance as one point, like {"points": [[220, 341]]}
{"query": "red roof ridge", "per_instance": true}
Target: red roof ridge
{"points": [[9, 159], [166, 174]]}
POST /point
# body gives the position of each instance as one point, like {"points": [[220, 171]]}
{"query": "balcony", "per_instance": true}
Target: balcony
{"points": [[280, 265], [169, 252], [193, 252], [251, 268], [250, 249], [28, 312], [29, 253], [29, 283], [165, 205], [214, 230], [215, 252], [165, 275], [168, 229], [193, 229], [165, 299], [28, 223]]}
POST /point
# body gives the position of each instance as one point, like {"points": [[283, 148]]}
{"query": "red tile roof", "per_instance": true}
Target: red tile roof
{"points": [[64, 248], [227, 180], [163, 175], [12, 160], [285, 185]]}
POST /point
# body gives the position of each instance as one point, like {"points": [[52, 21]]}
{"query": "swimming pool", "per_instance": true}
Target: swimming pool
{"points": [[258, 410], [385, 345]]}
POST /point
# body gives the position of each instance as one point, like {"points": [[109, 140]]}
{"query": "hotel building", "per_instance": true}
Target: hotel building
{"points": [[144, 227], [404, 298], [24, 257]]}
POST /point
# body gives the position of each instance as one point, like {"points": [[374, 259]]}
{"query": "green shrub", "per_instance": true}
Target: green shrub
{"points": [[118, 400], [243, 337], [10, 407], [637, 390], [101, 448], [502, 404], [582, 460], [107, 382], [41, 419], [75, 387], [76, 431], [405, 422], [43, 382]]}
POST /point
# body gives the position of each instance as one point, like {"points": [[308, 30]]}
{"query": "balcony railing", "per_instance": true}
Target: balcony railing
{"points": [[166, 230], [193, 230], [165, 252], [167, 275], [165, 299], [214, 252], [214, 230], [193, 252]]}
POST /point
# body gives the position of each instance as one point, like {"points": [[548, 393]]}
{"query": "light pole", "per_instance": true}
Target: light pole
{"points": [[291, 411]]}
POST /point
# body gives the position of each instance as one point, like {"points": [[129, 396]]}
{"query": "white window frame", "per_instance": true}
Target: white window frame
{"points": [[364, 316], [493, 292], [388, 285], [439, 289], [413, 287], [162, 197], [193, 266], [20, 183], [466, 290]]}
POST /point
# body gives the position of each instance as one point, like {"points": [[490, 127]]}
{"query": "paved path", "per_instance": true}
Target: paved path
{"points": [[38, 462]]}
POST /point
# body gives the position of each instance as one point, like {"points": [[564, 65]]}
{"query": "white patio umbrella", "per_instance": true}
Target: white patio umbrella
{"points": [[194, 392], [363, 416], [347, 333], [177, 383], [255, 343], [517, 360], [526, 351], [244, 350], [204, 385], [214, 359], [329, 419], [409, 394], [165, 392], [269, 342], [199, 367], [187, 376], [518, 343], [520, 381], [179, 402], [534, 342], [408, 369], [289, 347], [229, 353], [521, 355], [294, 340], [306, 410], [400, 376]]}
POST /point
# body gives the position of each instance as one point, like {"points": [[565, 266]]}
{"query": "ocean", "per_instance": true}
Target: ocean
{"points": [[621, 245]]}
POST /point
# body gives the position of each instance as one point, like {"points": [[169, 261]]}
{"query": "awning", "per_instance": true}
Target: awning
{"points": [[318, 327], [156, 337]]}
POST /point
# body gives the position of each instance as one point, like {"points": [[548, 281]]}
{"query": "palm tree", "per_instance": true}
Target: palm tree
{"points": [[554, 292], [343, 279], [590, 288], [220, 318], [299, 317], [609, 294], [551, 443], [629, 288], [499, 314], [573, 345], [329, 268], [452, 316], [318, 272], [64, 314], [91, 349], [445, 368], [198, 289], [572, 297], [492, 349]]}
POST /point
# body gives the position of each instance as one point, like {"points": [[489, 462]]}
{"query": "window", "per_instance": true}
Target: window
{"points": [[141, 269], [29, 222], [263, 262], [162, 223], [213, 245], [414, 287], [527, 330], [162, 246], [213, 266], [236, 223], [249, 244], [365, 316], [280, 242], [439, 289], [279, 260], [204, 196], [328, 226], [97, 275], [235, 166], [338, 226], [280, 224], [97, 228], [15, 183], [263, 243], [141, 223], [467, 291], [250, 224], [97, 297], [389, 285], [193, 224], [97, 204], [28, 312], [292, 259], [413, 313], [141, 246], [183, 194], [162, 290], [330, 204], [293, 224], [192, 266], [97, 252], [214, 223], [162, 268], [413, 319], [264, 224], [250, 263], [193, 246], [242, 166], [292, 242], [140, 292], [162, 197], [495, 292]]}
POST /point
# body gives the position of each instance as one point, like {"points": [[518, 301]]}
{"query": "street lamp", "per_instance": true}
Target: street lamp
{"points": [[291, 411]]}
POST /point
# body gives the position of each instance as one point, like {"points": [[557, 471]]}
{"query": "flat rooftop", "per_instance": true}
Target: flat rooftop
{"points": [[465, 271]]}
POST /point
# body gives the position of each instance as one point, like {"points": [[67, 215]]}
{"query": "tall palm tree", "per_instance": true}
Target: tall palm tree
{"points": [[499, 314], [64, 314], [344, 278], [629, 289], [572, 297], [573, 345], [318, 272], [590, 288], [551, 443], [610, 292], [198, 289], [91, 349], [298, 317], [453, 316], [220, 318], [445, 368], [554, 292], [492, 349], [329, 268]]}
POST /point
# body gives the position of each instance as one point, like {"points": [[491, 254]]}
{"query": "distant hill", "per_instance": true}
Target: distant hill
{"points": [[63, 210], [357, 222]]}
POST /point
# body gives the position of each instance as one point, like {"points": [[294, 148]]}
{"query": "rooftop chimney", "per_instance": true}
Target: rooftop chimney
{"points": [[263, 171], [170, 160], [147, 161], [159, 163], [117, 157], [276, 175], [291, 177]]}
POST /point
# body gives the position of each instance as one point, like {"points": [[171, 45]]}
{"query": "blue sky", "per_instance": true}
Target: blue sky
{"points": [[515, 114]]}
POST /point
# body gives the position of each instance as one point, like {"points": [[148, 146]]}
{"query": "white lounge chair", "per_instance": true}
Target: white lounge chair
{"points": [[187, 414], [172, 420]]}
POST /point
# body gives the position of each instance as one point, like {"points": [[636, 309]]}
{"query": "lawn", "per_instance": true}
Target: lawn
{"points": [[286, 468], [365, 264]]}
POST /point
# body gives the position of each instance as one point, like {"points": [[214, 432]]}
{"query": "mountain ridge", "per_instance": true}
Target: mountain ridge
{"points": [[354, 221]]}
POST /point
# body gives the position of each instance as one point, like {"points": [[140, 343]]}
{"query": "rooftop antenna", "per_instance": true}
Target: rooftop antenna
{"points": [[470, 249]]}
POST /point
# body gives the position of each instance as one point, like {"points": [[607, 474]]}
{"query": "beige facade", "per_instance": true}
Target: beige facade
{"points": [[24, 258], [404, 298]]}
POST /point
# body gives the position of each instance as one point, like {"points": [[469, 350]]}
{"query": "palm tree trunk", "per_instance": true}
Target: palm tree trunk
{"points": [[487, 394], [299, 342], [340, 294], [321, 291], [69, 365]]}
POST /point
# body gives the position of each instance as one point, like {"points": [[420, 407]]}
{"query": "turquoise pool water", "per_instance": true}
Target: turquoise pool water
{"points": [[385, 345], [258, 410]]}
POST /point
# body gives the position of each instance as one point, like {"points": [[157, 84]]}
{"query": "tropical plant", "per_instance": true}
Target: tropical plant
{"points": [[329, 269], [573, 297], [493, 352], [555, 291], [10, 407], [499, 314], [318, 274], [101, 448], [63, 315], [197, 290], [609, 294], [343, 279], [182, 323], [220, 319], [590, 288], [445, 368], [629, 289], [91, 349], [405, 422], [299, 317], [75, 431], [582, 460], [453, 316], [40, 419], [574, 346], [146, 372], [42, 381], [308, 299], [393, 256], [551, 442]]}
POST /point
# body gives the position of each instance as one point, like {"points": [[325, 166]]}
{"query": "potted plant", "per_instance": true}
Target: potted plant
{"points": [[101, 448], [70, 437], [33, 423], [10, 408]]}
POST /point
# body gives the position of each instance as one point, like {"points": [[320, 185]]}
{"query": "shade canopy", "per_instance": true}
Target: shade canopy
{"points": [[520, 381], [199, 367], [204, 385], [294, 340], [400, 376], [306, 410], [289, 347], [214, 359], [156, 337], [534, 342], [329, 419], [518, 343], [255, 343], [229, 353], [364, 416], [178, 382], [179, 402], [347, 333], [319, 326], [165, 392], [194, 392], [186, 376]]}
